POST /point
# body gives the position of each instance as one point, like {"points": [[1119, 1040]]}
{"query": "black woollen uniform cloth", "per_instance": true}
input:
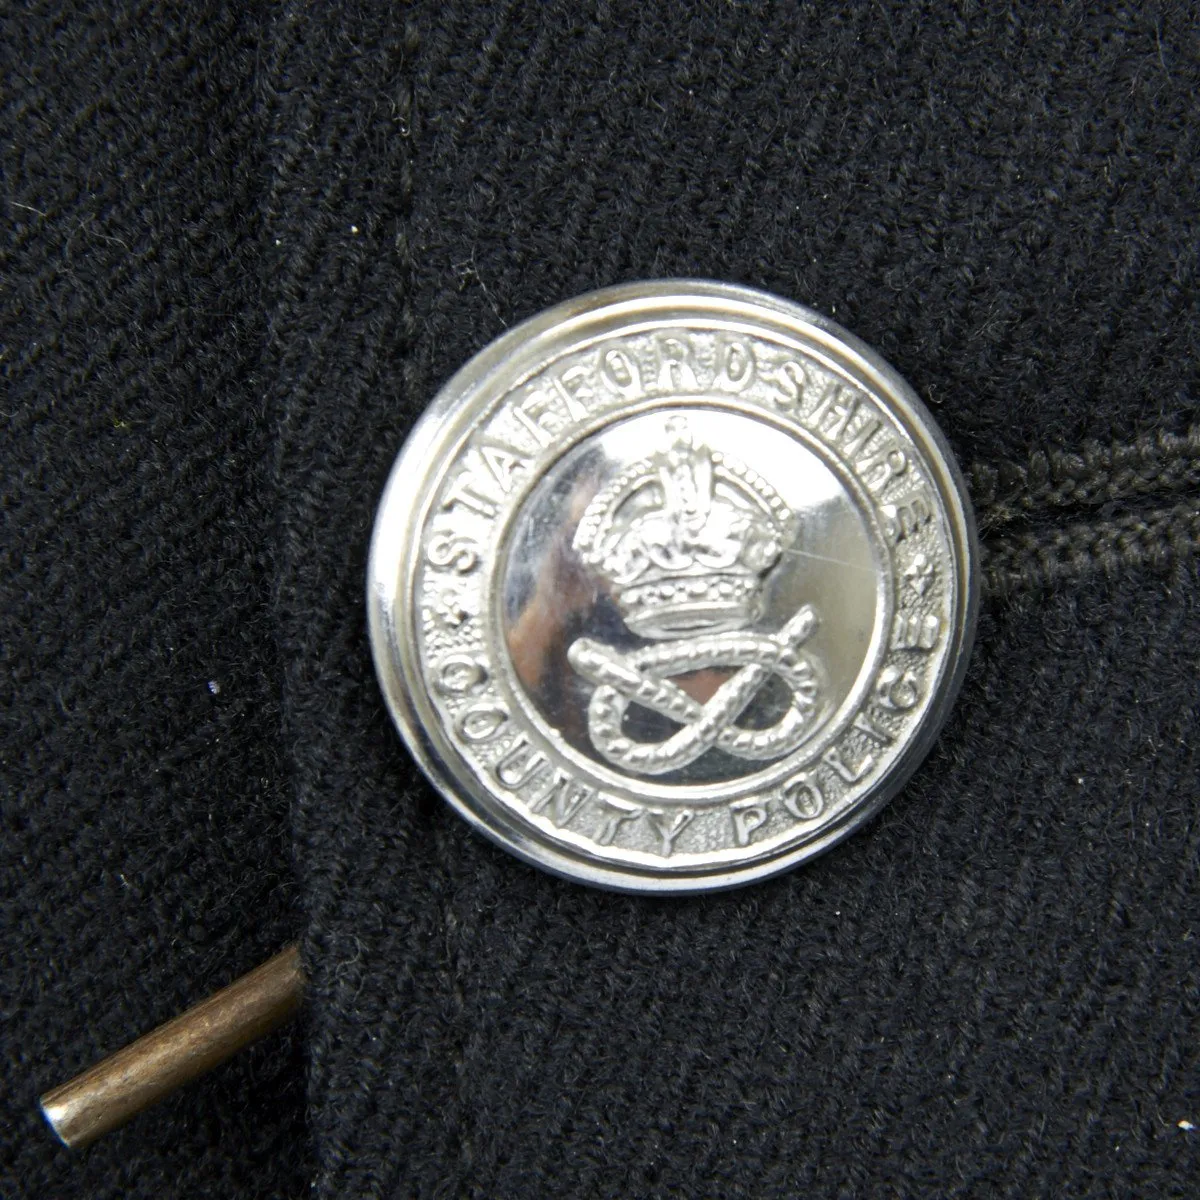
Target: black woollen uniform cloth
{"points": [[244, 246]]}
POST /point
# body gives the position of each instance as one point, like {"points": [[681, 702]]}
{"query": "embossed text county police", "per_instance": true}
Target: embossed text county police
{"points": [[681, 597]]}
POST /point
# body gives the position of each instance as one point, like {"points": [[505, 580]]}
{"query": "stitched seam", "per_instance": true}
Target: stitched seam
{"points": [[1158, 539], [1164, 465], [340, 238]]}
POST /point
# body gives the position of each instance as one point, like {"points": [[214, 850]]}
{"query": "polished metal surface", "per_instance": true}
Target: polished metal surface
{"points": [[117, 1088], [672, 586]]}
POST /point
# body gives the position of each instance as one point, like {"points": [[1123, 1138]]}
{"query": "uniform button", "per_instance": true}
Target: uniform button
{"points": [[672, 587]]}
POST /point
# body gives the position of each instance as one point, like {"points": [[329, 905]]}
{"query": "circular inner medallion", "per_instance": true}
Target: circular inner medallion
{"points": [[672, 586]]}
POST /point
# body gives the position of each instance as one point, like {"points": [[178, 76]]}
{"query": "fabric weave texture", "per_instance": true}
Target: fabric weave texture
{"points": [[245, 245]]}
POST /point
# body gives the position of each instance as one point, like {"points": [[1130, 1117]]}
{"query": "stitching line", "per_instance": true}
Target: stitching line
{"points": [[1164, 464], [1156, 540]]}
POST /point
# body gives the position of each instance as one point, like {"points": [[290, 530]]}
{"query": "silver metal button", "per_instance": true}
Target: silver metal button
{"points": [[672, 586]]}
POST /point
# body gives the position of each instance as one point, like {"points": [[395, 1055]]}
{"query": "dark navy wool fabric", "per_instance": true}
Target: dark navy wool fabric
{"points": [[245, 245]]}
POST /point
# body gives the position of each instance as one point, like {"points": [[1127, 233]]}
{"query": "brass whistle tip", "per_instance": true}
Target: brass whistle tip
{"points": [[120, 1086], [55, 1115]]}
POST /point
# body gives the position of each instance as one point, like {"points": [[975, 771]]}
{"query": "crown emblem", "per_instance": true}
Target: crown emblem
{"points": [[685, 538]]}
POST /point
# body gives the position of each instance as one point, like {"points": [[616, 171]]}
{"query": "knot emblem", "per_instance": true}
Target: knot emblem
{"points": [[683, 541], [643, 677]]}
